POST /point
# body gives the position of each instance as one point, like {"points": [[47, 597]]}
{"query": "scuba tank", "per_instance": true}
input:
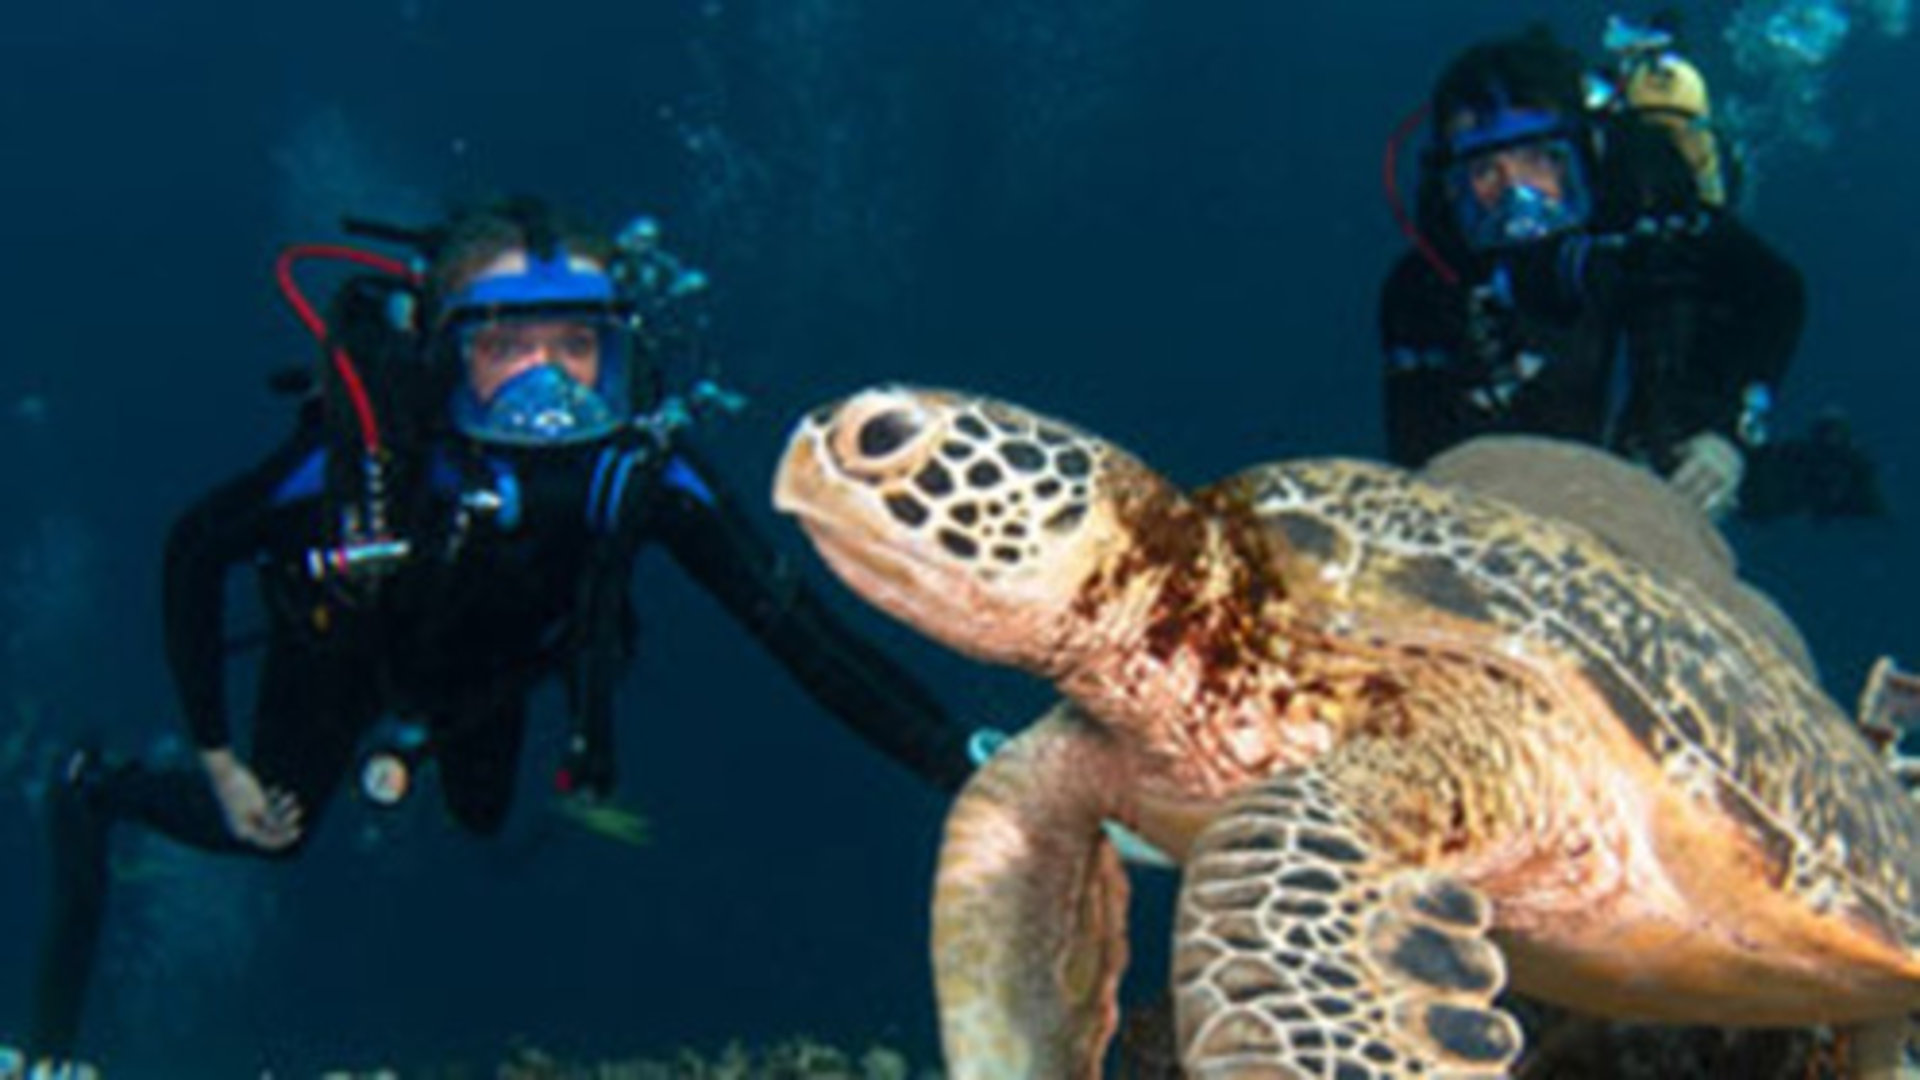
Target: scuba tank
{"points": [[358, 398], [1672, 94], [1651, 79]]}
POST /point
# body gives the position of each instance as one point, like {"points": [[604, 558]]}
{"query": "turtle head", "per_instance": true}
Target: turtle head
{"points": [[979, 524]]}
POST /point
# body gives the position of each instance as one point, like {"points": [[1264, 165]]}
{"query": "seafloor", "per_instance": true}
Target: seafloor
{"points": [[798, 1058], [1560, 1047]]}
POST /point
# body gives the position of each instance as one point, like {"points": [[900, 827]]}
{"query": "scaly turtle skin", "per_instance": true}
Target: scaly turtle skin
{"points": [[1409, 742]]}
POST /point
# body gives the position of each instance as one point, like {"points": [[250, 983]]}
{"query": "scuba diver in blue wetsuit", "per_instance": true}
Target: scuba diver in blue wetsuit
{"points": [[454, 522]]}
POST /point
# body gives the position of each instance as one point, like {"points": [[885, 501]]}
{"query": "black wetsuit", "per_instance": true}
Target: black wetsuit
{"points": [[1635, 345], [490, 602]]}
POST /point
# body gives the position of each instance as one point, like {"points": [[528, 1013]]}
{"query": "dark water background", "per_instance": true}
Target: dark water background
{"points": [[1163, 220]]}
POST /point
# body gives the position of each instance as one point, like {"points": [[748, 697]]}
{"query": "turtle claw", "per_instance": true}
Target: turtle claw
{"points": [[1301, 952]]}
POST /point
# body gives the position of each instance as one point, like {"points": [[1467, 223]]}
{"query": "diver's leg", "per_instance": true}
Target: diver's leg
{"points": [[306, 730], [308, 720], [76, 909], [479, 752], [83, 803]]}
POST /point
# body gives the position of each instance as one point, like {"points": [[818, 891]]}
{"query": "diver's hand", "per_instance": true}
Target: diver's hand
{"points": [[1709, 473], [267, 818]]}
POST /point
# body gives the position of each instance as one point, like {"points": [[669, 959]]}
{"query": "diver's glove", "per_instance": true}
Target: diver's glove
{"points": [[1823, 474], [587, 771], [1708, 471]]}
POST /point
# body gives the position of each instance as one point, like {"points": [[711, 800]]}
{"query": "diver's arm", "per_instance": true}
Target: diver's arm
{"points": [[1758, 304], [225, 527], [1716, 320], [1760, 309], [872, 695]]}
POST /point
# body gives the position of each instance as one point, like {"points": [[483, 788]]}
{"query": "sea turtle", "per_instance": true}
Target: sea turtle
{"points": [[1410, 744]]}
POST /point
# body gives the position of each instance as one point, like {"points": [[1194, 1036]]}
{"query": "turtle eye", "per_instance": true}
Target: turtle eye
{"points": [[885, 433]]}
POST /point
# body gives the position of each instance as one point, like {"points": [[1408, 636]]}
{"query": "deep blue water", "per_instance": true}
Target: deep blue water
{"points": [[1163, 220]]}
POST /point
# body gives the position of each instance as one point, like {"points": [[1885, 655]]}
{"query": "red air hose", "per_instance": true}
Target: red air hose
{"points": [[343, 364], [1390, 176]]}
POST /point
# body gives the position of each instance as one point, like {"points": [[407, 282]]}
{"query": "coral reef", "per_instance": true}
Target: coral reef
{"points": [[798, 1058], [794, 1059]]}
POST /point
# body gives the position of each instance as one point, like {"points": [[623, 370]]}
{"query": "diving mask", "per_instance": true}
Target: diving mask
{"points": [[546, 357], [541, 377], [1515, 179]]}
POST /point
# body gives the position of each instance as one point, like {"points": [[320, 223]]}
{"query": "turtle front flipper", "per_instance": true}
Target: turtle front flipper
{"points": [[1302, 950], [1029, 915]]}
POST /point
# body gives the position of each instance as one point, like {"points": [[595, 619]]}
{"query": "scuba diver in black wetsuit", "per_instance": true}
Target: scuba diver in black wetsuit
{"points": [[439, 566], [1575, 274]]}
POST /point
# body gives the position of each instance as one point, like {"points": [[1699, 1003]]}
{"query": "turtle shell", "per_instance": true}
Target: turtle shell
{"points": [[1571, 552], [1628, 507]]}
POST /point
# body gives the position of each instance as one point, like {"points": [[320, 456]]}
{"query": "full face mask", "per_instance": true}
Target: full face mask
{"points": [[542, 404], [546, 357], [1516, 177]]}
